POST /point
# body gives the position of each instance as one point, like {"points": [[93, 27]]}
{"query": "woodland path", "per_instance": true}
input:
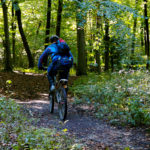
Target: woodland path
{"points": [[94, 133]]}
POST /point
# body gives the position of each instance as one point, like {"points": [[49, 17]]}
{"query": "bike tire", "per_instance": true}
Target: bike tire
{"points": [[51, 103], [62, 106]]}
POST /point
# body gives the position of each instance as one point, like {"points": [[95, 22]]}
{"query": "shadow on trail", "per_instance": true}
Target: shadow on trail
{"points": [[95, 133]]}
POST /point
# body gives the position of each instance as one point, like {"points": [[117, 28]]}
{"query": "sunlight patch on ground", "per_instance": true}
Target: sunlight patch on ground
{"points": [[33, 101], [30, 73], [37, 107], [43, 94]]}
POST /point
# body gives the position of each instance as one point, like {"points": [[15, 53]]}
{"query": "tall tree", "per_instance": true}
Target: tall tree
{"points": [[112, 57], [134, 28], [141, 34], [13, 26], [146, 32], [97, 52], [7, 53], [59, 14], [82, 66], [106, 41], [37, 31], [24, 39], [48, 23]]}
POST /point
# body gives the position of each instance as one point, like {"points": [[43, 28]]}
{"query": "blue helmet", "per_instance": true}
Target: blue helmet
{"points": [[54, 38]]}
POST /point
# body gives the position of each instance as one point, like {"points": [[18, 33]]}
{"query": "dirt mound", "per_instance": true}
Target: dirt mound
{"points": [[23, 86]]}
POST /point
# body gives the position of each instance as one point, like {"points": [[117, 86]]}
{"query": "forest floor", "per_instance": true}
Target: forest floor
{"points": [[30, 90]]}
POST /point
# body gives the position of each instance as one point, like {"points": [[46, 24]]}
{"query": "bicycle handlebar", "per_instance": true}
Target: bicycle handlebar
{"points": [[44, 68]]}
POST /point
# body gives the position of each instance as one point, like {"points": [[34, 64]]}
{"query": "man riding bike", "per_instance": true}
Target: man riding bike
{"points": [[62, 59]]}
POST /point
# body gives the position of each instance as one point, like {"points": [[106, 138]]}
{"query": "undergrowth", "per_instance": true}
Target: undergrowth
{"points": [[120, 97], [17, 131], [36, 70]]}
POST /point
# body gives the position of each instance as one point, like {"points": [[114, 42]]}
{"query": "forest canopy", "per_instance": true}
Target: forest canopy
{"points": [[102, 34]]}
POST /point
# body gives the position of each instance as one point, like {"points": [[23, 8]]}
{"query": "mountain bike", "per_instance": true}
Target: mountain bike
{"points": [[59, 96]]}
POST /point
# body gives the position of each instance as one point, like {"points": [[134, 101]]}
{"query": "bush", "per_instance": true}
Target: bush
{"points": [[120, 97]]}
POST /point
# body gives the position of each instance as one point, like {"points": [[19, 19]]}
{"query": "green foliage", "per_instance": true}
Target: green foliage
{"points": [[43, 139], [118, 97], [8, 85], [16, 131], [15, 6], [33, 70], [9, 106], [11, 121], [120, 14]]}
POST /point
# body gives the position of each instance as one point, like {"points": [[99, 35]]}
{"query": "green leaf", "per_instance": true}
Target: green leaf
{"points": [[16, 6], [8, 82]]}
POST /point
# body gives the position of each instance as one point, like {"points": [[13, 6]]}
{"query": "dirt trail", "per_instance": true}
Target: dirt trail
{"points": [[96, 134]]}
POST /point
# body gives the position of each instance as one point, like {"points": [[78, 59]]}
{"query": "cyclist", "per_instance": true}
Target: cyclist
{"points": [[61, 57]]}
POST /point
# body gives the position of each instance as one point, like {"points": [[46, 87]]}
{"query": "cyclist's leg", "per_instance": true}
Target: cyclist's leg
{"points": [[65, 73], [50, 79], [51, 73]]}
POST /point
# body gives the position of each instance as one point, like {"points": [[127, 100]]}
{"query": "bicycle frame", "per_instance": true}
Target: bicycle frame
{"points": [[59, 96], [62, 82]]}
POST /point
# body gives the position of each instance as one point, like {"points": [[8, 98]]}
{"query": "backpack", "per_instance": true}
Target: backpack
{"points": [[64, 61], [63, 48]]}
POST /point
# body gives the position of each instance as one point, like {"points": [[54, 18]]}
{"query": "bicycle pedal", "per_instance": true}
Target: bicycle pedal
{"points": [[62, 103]]}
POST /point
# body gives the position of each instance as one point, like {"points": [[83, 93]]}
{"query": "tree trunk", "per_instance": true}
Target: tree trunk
{"points": [[7, 58], [37, 31], [134, 29], [106, 41], [134, 32], [81, 69], [59, 13], [48, 23], [145, 41], [147, 33], [82, 66], [25, 43], [142, 35], [13, 36], [90, 40], [112, 59], [97, 52]]}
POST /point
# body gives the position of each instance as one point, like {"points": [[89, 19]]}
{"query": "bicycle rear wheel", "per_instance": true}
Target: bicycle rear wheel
{"points": [[62, 105], [51, 103]]}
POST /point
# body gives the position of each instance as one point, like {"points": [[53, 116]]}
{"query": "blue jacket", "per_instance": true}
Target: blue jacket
{"points": [[51, 50]]}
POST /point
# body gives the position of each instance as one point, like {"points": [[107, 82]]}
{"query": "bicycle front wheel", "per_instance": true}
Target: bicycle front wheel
{"points": [[62, 105]]}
